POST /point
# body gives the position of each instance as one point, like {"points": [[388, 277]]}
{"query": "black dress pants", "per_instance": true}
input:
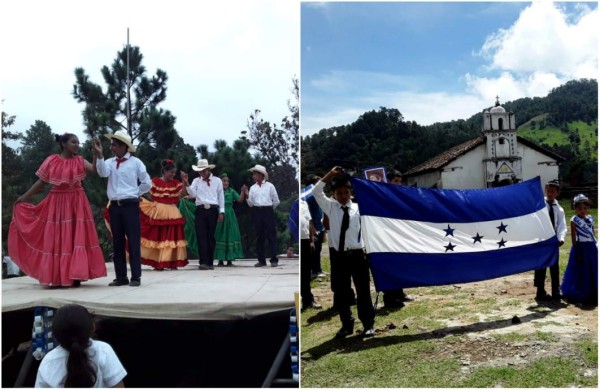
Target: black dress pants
{"points": [[305, 270], [206, 224], [347, 267], [125, 223], [264, 224]]}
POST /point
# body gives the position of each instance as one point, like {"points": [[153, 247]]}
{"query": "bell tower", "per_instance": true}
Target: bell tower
{"points": [[502, 163]]}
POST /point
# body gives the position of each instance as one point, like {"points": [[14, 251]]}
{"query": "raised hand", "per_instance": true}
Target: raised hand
{"points": [[184, 176], [97, 147]]}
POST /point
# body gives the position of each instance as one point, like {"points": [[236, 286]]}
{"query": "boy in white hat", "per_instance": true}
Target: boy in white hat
{"points": [[263, 199], [124, 171], [210, 209]]}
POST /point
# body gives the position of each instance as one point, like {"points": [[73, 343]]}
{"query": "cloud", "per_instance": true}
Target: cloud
{"points": [[544, 40]]}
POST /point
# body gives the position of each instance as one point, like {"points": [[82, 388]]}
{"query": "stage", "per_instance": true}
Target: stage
{"points": [[181, 328], [225, 293]]}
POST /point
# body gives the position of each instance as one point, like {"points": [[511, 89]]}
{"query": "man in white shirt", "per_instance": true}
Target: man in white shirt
{"points": [[210, 209], [557, 217], [124, 171], [348, 259], [263, 199]]}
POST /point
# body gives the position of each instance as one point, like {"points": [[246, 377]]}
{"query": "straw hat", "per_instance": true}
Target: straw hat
{"points": [[202, 165], [122, 136], [260, 169]]}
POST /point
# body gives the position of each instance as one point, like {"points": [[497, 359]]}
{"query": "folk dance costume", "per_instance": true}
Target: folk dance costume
{"points": [[163, 243], [55, 241], [228, 245], [187, 208], [124, 193], [580, 282]]}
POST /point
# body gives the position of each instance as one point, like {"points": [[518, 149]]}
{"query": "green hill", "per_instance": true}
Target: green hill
{"points": [[580, 134]]}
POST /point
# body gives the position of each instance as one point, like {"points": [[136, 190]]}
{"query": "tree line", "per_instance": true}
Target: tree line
{"points": [[137, 95]]}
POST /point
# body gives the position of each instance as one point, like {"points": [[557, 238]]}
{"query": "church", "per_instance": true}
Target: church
{"points": [[497, 157]]}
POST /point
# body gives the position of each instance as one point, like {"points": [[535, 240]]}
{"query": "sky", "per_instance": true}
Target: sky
{"points": [[438, 61], [224, 59]]}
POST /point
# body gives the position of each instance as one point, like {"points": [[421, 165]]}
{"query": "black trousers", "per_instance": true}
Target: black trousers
{"points": [[305, 271], [539, 279], [264, 224], [125, 222], [316, 255], [206, 224], [346, 267]]}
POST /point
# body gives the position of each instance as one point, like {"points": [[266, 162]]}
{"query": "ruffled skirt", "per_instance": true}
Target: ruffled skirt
{"points": [[56, 241], [580, 282]]}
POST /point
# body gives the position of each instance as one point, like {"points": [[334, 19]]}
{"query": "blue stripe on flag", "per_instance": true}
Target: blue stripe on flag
{"points": [[434, 205], [399, 270], [306, 192]]}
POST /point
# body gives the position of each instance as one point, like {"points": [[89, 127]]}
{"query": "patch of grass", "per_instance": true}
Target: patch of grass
{"points": [[546, 336], [512, 302], [589, 349], [510, 337], [546, 372]]}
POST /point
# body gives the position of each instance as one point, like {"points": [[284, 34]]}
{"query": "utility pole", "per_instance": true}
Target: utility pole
{"points": [[128, 90]]}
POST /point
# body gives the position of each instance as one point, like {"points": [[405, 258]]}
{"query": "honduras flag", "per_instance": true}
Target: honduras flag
{"points": [[306, 192], [426, 237]]}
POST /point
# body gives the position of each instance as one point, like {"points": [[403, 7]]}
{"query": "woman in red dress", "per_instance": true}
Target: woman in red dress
{"points": [[163, 236], [55, 241]]}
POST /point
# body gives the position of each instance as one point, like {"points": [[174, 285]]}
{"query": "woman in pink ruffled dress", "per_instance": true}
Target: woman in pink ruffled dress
{"points": [[56, 241]]}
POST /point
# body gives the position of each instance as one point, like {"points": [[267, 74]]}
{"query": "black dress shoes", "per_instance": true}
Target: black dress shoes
{"points": [[119, 282]]}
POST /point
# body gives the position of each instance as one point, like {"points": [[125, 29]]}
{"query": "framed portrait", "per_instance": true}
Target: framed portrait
{"points": [[375, 174]]}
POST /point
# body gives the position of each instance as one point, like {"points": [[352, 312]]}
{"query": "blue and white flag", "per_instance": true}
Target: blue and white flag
{"points": [[306, 192], [426, 237]]}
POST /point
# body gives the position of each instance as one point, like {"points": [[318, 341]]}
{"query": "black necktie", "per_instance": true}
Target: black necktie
{"points": [[551, 214], [345, 225]]}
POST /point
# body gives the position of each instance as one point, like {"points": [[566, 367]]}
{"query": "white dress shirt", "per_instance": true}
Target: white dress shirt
{"points": [[263, 195], [53, 368], [560, 226], [305, 219], [208, 194], [334, 210], [123, 182]]}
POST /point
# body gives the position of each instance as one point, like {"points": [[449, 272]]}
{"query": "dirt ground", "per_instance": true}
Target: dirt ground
{"points": [[514, 312]]}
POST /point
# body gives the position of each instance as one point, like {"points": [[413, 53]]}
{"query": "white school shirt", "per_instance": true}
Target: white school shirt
{"points": [[53, 368], [263, 195], [305, 219], [123, 182], [560, 226], [334, 210], [205, 194]]}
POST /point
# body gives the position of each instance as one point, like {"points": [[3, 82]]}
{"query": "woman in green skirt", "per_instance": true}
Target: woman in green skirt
{"points": [[227, 235], [187, 208]]}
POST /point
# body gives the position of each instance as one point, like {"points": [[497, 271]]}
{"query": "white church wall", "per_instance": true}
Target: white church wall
{"points": [[537, 164], [426, 180], [466, 171]]}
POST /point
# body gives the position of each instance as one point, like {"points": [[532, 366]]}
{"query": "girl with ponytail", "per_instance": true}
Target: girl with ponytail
{"points": [[78, 361]]}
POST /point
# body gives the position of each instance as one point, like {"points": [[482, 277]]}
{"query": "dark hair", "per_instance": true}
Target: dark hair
{"points": [[167, 165], [340, 181], [62, 139], [553, 183], [393, 174], [72, 328], [312, 179]]}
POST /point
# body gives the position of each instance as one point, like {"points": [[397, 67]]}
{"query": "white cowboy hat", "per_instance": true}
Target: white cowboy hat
{"points": [[202, 165], [122, 136], [260, 169]]}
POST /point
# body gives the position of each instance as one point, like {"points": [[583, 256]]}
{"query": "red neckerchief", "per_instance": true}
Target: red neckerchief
{"points": [[120, 160], [259, 183], [207, 180]]}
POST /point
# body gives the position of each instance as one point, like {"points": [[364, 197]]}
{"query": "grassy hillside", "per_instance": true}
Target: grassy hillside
{"points": [[537, 130]]}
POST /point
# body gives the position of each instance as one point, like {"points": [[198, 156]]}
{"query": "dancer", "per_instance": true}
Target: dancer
{"points": [[263, 199], [227, 234], [163, 237], [55, 241], [580, 282], [123, 172], [210, 209], [187, 208]]}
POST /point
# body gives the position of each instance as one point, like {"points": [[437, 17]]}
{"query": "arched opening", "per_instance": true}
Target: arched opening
{"points": [[500, 124]]}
